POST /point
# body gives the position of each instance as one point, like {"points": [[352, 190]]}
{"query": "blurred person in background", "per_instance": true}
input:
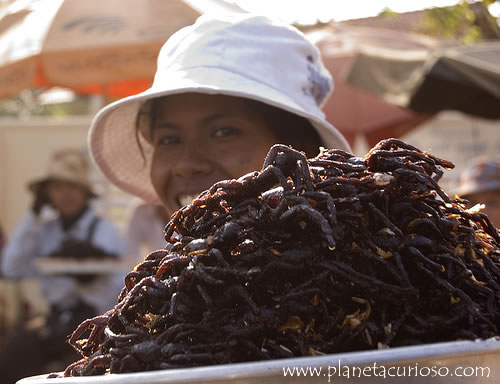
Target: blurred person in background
{"points": [[480, 184], [2, 238], [61, 223]]}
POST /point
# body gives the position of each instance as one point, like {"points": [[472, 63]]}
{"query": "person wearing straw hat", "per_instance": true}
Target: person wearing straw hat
{"points": [[2, 239], [60, 222], [226, 89], [480, 184]]}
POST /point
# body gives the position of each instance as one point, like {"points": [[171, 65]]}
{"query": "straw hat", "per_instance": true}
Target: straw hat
{"points": [[482, 175], [244, 55], [67, 165]]}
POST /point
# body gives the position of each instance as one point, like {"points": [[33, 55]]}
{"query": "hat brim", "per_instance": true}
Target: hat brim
{"points": [[113, 139], [472, 188]]}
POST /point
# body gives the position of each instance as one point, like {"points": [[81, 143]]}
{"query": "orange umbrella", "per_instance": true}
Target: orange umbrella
{"points": [[90, 46], [355, 111]]}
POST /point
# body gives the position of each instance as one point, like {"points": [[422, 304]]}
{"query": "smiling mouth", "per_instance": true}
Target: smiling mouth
{"points": [[184, 200]]}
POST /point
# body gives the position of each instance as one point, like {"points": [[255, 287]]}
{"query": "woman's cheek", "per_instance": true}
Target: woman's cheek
{"points": [[159, 173], [250, 161]]}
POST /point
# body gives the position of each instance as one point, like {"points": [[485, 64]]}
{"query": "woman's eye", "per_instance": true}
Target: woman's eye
{"points": [[225, 131], [168, 140]]}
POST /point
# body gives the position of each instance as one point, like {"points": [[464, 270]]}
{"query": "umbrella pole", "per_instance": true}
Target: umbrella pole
{"points": [[98, 101]]}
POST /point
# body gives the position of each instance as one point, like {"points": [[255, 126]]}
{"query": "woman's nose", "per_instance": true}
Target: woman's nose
{"points": [[191, 163]]}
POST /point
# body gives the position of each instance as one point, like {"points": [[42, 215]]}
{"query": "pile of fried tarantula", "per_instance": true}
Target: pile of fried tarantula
{"points": [[306, 257]]}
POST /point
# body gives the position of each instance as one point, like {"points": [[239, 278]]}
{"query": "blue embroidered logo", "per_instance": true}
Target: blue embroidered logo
{"points": [[319, 85]]}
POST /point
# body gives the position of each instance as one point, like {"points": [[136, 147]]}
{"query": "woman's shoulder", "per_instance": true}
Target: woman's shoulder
{"points": [[145, 215], [145, 210]]}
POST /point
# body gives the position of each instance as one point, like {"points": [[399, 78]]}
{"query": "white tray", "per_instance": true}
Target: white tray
{"points": [[447, 359]]}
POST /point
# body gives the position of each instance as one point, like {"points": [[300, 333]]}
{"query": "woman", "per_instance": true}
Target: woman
{"points": [[60, 223], [225, 91]]}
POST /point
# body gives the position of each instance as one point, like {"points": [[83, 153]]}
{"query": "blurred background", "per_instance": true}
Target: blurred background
{"points": [[424, 71]]}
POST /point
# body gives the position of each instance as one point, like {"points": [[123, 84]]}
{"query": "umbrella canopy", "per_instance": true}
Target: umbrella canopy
{"points": [[90, 46], [463, 78], [355, 111]]}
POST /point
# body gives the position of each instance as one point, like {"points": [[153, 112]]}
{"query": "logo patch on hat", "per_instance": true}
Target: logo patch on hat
{"points": [[319, 85]]}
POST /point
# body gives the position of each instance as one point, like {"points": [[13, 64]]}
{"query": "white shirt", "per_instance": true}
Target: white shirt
{"points": [[145, 231], [39, 236]]}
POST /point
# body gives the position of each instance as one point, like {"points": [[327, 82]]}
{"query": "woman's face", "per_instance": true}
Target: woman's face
{"points": [[200, 139], [66, 197]]}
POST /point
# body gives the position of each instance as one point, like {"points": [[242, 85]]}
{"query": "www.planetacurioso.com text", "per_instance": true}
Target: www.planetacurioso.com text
{"points": [[375, 370]]}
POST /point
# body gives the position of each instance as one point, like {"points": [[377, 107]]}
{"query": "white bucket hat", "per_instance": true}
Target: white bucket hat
{"points": [[246, 56]]}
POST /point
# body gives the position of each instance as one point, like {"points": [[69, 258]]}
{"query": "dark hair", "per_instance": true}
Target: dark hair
{"points": [[290, 129]]}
